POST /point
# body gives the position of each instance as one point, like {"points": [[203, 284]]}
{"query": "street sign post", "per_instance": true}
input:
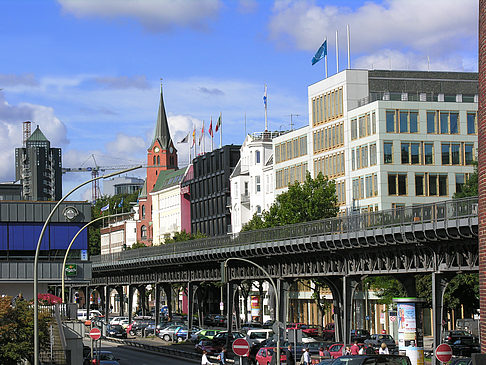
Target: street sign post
{"points": [[241, 347], [443, 352]]}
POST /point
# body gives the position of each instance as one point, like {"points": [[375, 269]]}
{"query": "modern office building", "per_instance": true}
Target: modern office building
{"points": [[252, 181], [20, 226], [10, 191], [122, 185], [161, 156], [210, 194], [38, 167], [394, 138]]}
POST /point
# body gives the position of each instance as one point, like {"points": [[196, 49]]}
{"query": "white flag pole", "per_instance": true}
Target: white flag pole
{"points": [[337, 53], [220, 130], [266, 102], [325, 58], [349, 47], [212, 133]]}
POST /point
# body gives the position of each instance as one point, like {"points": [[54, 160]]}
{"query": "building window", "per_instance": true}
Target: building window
{"points": [[397, 184], [410, 153], [429, 153], [257, 156], [468, 154], [419, 184], [388, 152], [143, 232], [373, 154], [354, 129], [258, 209], [437, 184], [390, 121], [460, 181], [143, 211], [471, 123], [257, 184], [431, 122], [154, 161]]}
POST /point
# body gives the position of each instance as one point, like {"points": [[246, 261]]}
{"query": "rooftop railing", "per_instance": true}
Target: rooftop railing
{"points": [[354, 222]]}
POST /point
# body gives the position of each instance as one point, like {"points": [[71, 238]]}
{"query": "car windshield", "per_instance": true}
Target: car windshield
{"points": [[385, 337], [116, 327], [105, 356]]}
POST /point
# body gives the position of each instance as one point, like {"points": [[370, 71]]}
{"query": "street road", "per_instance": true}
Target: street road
{"points": [[130, 356]]}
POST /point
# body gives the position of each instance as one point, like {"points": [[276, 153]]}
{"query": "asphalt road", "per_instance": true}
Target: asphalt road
{"points": [[130, 356]]}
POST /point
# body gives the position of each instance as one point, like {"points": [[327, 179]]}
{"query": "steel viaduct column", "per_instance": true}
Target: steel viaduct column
{"points": [[482, 169]]}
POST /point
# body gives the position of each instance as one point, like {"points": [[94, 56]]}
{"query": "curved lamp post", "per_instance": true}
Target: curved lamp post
{"points": [[63, 271], [36, 259], [277, 314]]}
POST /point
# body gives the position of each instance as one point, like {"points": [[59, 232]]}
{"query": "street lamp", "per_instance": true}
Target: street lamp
{"points": [[36, 259], [277, 314], [63, 273]]}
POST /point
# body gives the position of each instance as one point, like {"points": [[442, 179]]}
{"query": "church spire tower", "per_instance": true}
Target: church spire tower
{"points": [[161, 154]]}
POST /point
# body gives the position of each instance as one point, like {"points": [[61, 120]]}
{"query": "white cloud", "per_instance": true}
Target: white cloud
{"points": [[434, 27], [14, 80], [125, 145], [154, 15]]}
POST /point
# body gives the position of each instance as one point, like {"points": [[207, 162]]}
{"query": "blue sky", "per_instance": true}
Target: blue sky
{"points": [[87, 71]]}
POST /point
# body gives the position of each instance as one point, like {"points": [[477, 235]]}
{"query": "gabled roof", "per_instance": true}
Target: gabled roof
{"points": [[162, 133], [168, 178], [143, 192], [37, 136]]}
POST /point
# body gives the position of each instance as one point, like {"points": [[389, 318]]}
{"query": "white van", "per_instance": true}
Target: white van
{"points": [[92, 314], [82, 315], [258, 335]]}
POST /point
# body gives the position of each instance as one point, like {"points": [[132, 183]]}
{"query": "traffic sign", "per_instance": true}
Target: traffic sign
{"points": [[443, 352], [95, 333], [241, 347]]}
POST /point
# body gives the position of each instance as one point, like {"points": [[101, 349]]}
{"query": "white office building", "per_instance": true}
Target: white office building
{"points": [[252, 181]]}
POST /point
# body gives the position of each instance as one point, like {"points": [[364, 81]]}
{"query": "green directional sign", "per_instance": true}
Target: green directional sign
{"points": [[71, 270]]}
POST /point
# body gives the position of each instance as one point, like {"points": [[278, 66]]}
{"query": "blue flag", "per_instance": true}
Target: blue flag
{"points": [[106, 207], [321, 52], [120, 204]]}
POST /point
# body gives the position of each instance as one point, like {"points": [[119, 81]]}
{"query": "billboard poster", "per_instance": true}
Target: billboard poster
{"points": [[255, 306], [407, 325]]}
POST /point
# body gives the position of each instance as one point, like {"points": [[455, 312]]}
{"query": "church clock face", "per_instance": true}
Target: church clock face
{"points": [[156, 149], [171, 149]]}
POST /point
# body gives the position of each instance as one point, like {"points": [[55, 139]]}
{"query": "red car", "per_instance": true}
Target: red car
{"points": [[207, 345], [336, 350], [264, 355], [309, 330]]}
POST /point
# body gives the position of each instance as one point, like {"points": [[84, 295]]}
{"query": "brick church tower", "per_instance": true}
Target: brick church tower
{"points": [[161, 156]]}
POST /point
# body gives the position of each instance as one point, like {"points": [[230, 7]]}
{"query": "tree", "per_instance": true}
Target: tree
{"points": [[314, 199], [17, 331], [386, 288], [184, 236], [470, 188]]}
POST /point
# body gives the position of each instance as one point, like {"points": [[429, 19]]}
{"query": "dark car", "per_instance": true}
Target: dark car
{"points": [[452, 336], [465, 346], [461, 361], [377, 339], [207, 345], [360, 335], [115, 330], [220, 321], [220, 338], [372, 359], [209, 320], [138, 326]]}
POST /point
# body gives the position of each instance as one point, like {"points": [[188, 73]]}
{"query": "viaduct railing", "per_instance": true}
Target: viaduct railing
{"points": [[356, 221]]}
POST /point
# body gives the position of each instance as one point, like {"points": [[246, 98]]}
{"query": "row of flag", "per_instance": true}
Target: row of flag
{"points": [[211, 133], [107, 206]]}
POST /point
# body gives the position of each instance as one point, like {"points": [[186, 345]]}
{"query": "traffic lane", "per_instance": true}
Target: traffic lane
{"points": [[128, 355]]}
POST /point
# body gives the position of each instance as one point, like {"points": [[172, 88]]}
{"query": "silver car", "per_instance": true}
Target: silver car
{"points": [[167, 334]]}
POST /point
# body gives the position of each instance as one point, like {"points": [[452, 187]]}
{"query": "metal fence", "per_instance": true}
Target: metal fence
{"points": [[353, 222]]}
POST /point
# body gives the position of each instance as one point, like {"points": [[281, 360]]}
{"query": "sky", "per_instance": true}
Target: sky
{"points": [[88, 72]]}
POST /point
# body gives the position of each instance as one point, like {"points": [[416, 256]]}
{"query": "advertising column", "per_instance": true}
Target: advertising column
{"points": [[410, 329], [255, 307]]}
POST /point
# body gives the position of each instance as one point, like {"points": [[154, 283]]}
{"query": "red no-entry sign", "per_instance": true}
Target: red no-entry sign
{"points": [[443, 352], [95, 333], [241, 347]]}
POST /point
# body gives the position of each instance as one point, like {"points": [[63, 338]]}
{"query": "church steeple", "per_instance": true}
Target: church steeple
{"points": [[162, 133]]}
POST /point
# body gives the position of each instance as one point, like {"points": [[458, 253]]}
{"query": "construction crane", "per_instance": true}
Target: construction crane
{"points": [[95, 172]]}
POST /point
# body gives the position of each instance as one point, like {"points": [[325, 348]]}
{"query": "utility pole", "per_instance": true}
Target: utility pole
{"points": [[291, 121]]}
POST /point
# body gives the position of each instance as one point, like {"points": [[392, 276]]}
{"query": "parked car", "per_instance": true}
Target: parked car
{"points": [[452, 336], [372, 359], [376, 340], [148, 331], [209, 319], [328, 332], [220, 321], [220, 338], [167, 334], [204, 334], [138, 325], [264, 355], [258, 335], [106, 358], [124, 323], [465, 347], [181, 333], [115, 330], [309, 330], [461, 361], [117, 320], [360, 335], [207, 345]]}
